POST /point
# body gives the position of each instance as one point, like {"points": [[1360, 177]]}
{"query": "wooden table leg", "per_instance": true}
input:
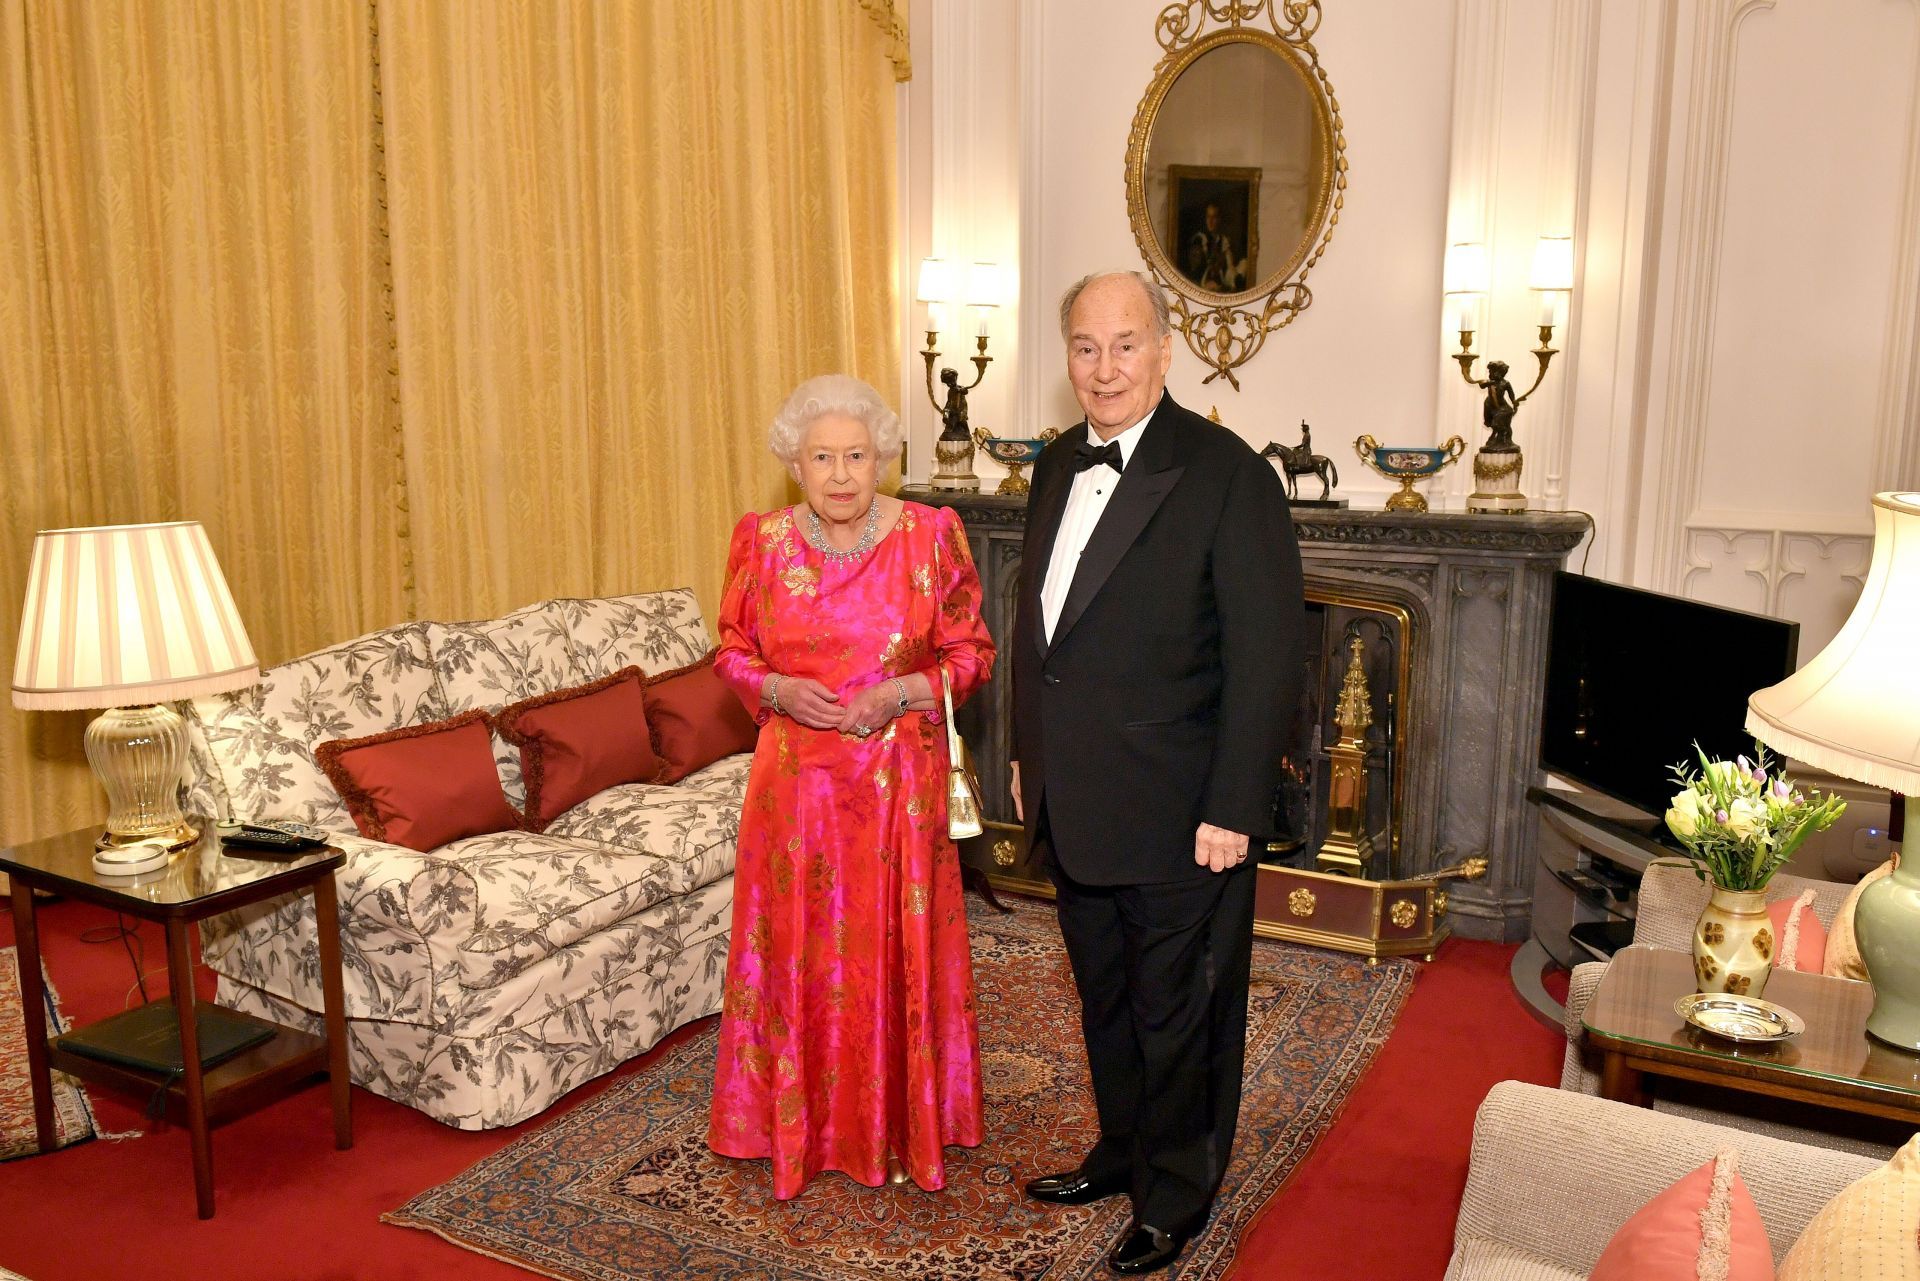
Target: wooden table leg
{"points": [[33, 1009], [326, 911], [186, 1007], [1620, 1081]]}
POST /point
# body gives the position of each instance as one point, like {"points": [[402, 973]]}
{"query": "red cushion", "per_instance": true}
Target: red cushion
{"points": [[1809, 935], [421, 787], [1671, 1236], [696, 720], [577, 742]]}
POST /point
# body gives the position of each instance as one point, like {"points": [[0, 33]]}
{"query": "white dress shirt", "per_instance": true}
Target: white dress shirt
{"points": [[1086, 502]]}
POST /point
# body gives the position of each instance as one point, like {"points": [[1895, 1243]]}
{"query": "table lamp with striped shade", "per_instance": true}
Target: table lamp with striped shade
{"points": [[130, 617]]}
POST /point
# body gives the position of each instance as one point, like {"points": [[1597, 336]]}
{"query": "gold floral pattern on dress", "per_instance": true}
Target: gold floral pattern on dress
{"points": [[923, 579], [1712, 932], [903, 654], [801, 580], [1763, 943], [917, 899]]}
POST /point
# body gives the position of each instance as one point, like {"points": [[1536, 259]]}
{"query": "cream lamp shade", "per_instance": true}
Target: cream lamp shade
{"points": [[129, 618], [128, 614], [1854, 710], [1552, 264]]}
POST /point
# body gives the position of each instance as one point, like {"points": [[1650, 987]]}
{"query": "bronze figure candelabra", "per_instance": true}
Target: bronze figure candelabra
{"points": [[953, 451]]}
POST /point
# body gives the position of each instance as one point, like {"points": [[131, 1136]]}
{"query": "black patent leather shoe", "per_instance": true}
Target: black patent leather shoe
{"points": [[1075, 1188], [1143, 1248]]}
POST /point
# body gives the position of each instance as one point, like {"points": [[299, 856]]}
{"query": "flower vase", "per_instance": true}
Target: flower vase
{"points": [[1733, 943]]}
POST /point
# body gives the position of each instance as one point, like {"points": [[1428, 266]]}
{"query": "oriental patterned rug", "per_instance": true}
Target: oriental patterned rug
{"points": [[72, 1118], [623, 1186]]}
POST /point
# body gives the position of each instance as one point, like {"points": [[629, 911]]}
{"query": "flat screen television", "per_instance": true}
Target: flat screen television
{"points": [[1635, 678]]}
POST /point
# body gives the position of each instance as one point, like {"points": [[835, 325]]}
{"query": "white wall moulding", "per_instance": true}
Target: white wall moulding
{"points": [[1804, 575]]}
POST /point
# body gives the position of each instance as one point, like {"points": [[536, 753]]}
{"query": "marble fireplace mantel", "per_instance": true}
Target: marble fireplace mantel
{"points": [[1478, 589]]}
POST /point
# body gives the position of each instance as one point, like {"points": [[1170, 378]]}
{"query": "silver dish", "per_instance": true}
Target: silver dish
{"points": [[1739, 1018]]}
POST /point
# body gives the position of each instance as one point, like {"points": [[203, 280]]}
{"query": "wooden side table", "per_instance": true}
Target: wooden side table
{"points": [[1834, 1063], [200, 882]]}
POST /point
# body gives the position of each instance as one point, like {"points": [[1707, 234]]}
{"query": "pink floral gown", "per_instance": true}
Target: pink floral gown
{"points": [[848, 1024]]}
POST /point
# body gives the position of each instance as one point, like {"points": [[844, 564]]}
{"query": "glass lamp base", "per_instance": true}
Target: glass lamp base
{"points": [[139, 754]]}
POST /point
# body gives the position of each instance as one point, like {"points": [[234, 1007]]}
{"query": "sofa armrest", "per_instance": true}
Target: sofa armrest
{"points": [[1538, 1151], [1576, 1073], [396, 905]]}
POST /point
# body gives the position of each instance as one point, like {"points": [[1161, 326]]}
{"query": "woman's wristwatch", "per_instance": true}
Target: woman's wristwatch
{"points": [[773, 694], [901, 686]]}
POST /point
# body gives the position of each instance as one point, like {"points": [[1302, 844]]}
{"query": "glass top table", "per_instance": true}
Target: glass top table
{"points": [[1631, 1021]]}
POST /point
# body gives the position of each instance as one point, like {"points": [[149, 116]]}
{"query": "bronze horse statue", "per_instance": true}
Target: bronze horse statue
{"points": [[1300, 460]]}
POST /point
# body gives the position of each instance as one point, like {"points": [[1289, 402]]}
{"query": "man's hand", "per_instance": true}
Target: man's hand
{"points": [[1217, 848], [870, 709], [1019, 811], [809, 702]]}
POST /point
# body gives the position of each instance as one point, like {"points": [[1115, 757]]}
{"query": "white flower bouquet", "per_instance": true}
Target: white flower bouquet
{"points": [[1739, 821]]}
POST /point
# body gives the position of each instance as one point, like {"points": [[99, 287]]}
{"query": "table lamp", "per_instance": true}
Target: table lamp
{"points": [[1854, 710], [127, 618]]}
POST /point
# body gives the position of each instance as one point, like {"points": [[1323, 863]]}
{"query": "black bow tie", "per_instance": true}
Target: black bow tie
{"points": [[1085, 456]]}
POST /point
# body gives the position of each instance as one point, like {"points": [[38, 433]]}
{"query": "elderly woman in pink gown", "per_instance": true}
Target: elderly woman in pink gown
{"points": [[847, 1039]]}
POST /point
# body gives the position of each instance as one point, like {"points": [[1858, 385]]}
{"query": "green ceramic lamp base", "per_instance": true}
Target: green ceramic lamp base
{"points": [[1887, 925]]}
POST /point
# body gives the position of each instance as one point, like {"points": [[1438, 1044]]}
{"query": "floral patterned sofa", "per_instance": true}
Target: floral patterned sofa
{"points": [[486, 978]]}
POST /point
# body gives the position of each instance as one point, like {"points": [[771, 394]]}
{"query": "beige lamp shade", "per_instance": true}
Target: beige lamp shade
{"points": [[1854, 710], [128, 614]]}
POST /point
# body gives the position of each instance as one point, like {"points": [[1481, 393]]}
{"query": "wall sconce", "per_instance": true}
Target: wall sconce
{"points": [[953, 451], [1497, 464]]}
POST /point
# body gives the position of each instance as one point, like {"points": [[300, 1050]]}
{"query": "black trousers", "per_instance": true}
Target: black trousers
{"points": [[1162, 972]]}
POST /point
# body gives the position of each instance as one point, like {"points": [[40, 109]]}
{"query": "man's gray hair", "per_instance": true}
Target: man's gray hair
{"points": [[827, 394], [1162, 318]]}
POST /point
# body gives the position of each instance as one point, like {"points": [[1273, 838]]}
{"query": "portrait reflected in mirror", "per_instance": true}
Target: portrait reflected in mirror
{"points": [[1215, 220]]}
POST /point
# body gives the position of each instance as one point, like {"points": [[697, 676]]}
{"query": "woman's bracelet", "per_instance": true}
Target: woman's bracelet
{"points": [[904, 702], [773, 694]]}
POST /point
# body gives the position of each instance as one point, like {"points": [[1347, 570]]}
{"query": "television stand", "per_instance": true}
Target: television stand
{"points": [[1591, 852]]}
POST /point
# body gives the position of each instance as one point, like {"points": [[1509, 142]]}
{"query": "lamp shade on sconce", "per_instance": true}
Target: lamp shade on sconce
{"points": [[1466, 270], [127, 614], [1552, 264], [936, 281], [986, 285], [1854, 709]]}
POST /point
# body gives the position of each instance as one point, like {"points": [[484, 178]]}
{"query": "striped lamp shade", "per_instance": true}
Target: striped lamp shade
{"points": [[128, 614]]}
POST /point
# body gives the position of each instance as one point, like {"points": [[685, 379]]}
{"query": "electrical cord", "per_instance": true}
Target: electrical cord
{"points": [[136, 950], [1593, 527]]}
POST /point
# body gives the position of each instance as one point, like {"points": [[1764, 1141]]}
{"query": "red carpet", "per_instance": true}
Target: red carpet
{"points": [[292, 1208]]}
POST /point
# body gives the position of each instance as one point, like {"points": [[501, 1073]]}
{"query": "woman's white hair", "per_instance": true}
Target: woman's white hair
{"points": [[844, 394]]}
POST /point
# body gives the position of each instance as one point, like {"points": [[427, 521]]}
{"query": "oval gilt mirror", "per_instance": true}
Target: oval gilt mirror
{"points": [[1236, 173]]}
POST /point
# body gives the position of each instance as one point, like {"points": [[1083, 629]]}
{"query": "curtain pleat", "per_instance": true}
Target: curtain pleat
{"points": [[425, 310]]}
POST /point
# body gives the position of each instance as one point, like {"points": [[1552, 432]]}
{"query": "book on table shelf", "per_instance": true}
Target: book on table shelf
{"points": [[148, 1037]]}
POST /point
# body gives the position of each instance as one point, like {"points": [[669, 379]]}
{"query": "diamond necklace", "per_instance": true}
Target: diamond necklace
{"points": [[817, 537]]}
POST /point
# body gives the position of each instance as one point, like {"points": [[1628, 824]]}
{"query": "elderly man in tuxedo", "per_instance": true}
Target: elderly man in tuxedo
{"points": [[1156, 657]]}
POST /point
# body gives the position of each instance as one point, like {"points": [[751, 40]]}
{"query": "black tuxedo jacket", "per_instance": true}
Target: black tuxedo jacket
{"points": [[1167, 692]]}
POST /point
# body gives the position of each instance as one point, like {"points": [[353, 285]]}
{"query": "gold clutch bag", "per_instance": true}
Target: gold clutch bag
{"points": [[963, 785]]}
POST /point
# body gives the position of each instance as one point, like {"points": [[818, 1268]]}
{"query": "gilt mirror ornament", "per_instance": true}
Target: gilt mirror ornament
{"points": [[1236, 171]]}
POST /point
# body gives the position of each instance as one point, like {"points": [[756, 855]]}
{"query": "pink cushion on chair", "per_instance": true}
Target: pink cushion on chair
{"points": [[1704, 1226], [1803, 939]]}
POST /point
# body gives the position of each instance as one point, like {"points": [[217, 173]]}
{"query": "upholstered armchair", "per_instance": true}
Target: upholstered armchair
{"points": [[1537, 1151], [1671, 899]]}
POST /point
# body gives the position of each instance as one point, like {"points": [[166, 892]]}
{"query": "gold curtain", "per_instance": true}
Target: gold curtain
{"points": [[622, 233], [191, 321], [425, 310]]}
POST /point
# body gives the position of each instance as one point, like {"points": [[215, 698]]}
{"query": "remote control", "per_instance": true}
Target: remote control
{"points": [[251, 836]]}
